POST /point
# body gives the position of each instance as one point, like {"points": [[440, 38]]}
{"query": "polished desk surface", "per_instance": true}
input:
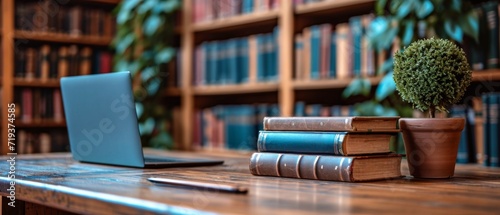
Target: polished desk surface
{"points": [[57, 181]]}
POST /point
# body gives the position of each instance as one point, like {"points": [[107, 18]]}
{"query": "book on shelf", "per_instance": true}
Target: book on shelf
{"points": [[210, 10], [332, 143], [73, 20], [350, 123], [326, 167], [51, 61]]}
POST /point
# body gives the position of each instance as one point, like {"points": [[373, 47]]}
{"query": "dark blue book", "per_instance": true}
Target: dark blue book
{"points": [[332, 71], [232, 58], [315, 42], [240, 128], [357, 34], [333, 143], [243, 61], [490, 9], [494, 132], [486, 130], [261, 60], [463, 152]]}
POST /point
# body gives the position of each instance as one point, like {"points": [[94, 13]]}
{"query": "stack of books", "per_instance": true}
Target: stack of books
{"points": [[327, 148]]}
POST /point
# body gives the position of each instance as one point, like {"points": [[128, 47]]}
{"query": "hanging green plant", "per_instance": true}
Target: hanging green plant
{"points": [[144, 45]]}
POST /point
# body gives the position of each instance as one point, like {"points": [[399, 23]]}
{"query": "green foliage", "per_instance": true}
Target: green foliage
{"points": [[431, 74], [143, 46], [408, 21]]}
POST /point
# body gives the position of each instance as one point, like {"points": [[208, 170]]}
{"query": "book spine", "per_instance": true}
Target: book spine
{"points": [[486, 129], [301, 142], [491, 12], [493, 144], [332, 168], [308, 124], [315, 51]]}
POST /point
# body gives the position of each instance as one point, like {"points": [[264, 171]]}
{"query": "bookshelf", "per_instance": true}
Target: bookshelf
{"points": [[289, 19], [13, 38]]}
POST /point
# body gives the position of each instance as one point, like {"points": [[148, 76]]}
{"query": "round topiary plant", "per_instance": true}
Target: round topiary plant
{"points": [[431, 74]]}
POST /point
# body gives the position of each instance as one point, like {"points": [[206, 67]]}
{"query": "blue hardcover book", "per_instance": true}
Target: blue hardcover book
{"points": [[486, 130], [243, 64], [222, 59], [357, 34], [315, 51], [274, 110], [247, 6], [261, 63], [214, 64], [459, 111], [332, 71], [270, 70], [333, 143], [275, 55], [240, 127], [300, 108], [494, 132], [232, 56]]}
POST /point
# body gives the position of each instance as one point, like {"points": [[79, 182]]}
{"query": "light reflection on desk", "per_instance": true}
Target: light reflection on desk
{"points": [[301, 195]]}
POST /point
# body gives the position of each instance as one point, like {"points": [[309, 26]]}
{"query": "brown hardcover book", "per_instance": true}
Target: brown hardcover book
{"points": [[85, 61], [63, 67], [348, 123], [44, 63], [326, 167]]}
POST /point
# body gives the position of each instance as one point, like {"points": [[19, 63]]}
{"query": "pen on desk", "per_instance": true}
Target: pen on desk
{"points": [[205, 185]]}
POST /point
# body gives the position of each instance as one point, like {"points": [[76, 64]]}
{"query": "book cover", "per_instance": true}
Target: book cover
{"points": [[493, 140], [326, 167], [332, 143], [486, 129], [315, 51], [348, 123]]}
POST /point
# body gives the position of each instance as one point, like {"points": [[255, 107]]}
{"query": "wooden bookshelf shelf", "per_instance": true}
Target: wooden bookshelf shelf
{"points": [[325, 7], [238, 22], [41, 124], [328, 83], [62, 38], [235, 89], [22, 82], [486, 75]]}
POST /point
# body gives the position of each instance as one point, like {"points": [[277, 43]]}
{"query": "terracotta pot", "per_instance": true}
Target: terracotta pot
{"points": [[431, 145]]}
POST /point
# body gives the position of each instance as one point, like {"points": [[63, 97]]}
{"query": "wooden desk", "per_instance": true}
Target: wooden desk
{"points": [[56, 181]]}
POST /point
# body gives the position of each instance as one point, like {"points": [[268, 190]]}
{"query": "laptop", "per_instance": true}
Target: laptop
{"points": [[102, 123]]}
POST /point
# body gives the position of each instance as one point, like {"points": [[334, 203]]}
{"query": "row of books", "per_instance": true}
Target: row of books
{"points": [[75, 20], [490, 150], [470, 147], [208, 10], [38, 105], [28, 142], [340, 51], [238, 60], [301, 108], [231, 126], [327, 148], [52, 62], [485, 54]]}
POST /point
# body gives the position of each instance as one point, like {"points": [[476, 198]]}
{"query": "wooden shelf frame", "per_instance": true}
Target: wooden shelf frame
{"points": [[49, 83], [289, 19], [62, 38], [236, 21], [10, 36], [41, 124]]}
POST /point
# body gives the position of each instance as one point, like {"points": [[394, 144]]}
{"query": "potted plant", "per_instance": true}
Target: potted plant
{"points": [[431, 74]]}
